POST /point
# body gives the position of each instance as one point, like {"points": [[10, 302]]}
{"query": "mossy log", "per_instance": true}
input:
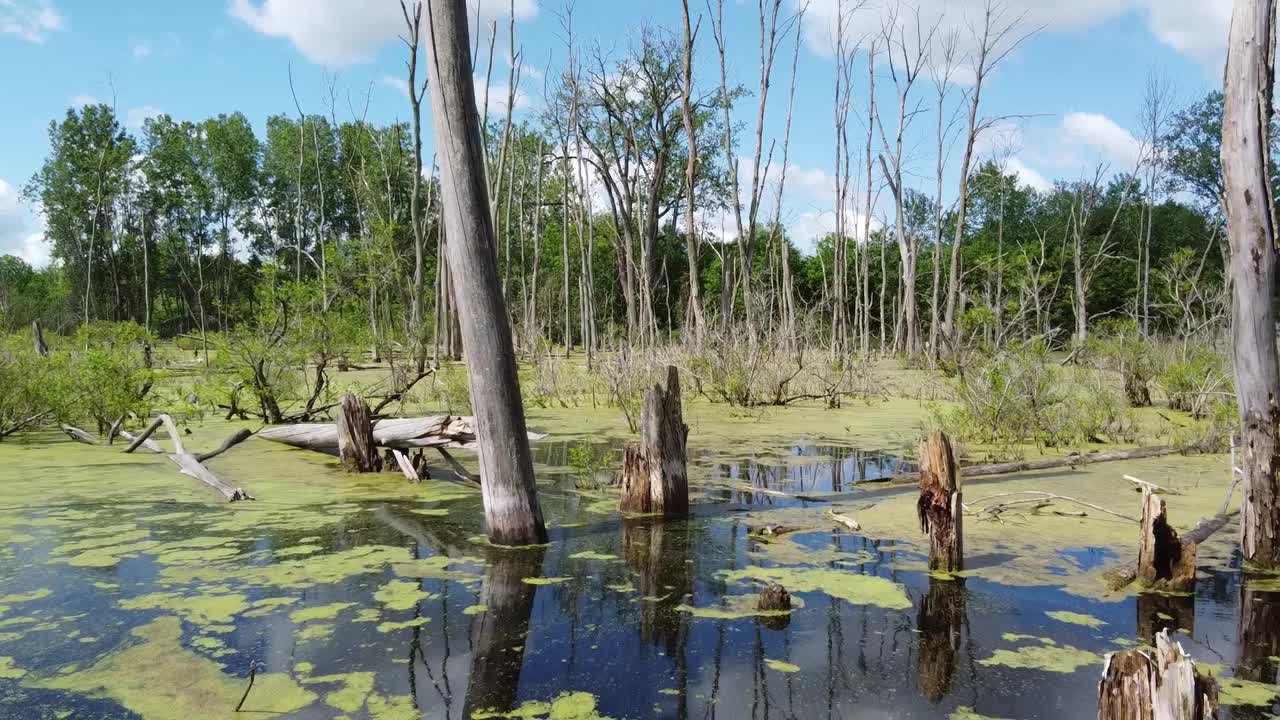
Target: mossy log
{"points": [[1143, 685], [654, 471], [939, 507]]}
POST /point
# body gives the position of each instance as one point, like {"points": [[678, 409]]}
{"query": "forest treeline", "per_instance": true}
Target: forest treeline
{"points": [[194, 227]]}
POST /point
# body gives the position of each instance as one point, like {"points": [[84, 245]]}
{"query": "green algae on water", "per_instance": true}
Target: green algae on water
{"points": [[965, 712], [1016, 637], [567, 706], [851, 587], [592, 555], [8, 671], [401, 595], [1075, 618], [475, 609], [1049, 658], [319, 612], [737, 607], [158, 679], [781, 666], [356, 687], [207, 609], [545, 580], [389, 626]]}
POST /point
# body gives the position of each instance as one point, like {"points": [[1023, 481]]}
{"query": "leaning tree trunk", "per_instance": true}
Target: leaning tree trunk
{"points": [[1165, 562], [940, 508], [654, 473], [512, 513], [1141, 684], [1251, 226], [356, 448]]}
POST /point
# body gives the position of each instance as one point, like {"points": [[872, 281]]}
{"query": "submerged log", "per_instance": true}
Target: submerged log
{"points": [[1164, 561], [939, 507], [654, 471], [355, 436], [1144, 685]]}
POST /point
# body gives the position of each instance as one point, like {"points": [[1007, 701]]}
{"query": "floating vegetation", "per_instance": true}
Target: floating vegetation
{"points": [[1049, 658], [849, 586], [781, 666], [568, 706], [1075, 618], [736, 607]]}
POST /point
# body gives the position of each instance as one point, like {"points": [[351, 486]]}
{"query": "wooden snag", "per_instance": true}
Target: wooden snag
{"points": [[356, 448], [654, 471], [774, 597], [37, 339], [1164, 561], [1143, 685], [940, 508]]}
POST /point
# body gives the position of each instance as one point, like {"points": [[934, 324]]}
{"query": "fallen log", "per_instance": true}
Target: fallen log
{"points": [[451, 431], [1073, 461]]}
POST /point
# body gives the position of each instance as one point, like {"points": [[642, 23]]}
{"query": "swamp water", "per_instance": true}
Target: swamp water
{"points": [[126, 591]]}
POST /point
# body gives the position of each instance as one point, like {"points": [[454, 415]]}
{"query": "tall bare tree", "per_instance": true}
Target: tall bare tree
{"points": [[413, 25], [1251, 225], [996, 37], [512, 513], [696, 316]]}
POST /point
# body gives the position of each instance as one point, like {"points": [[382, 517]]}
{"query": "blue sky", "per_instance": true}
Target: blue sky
{"points": [[1081, 78]]}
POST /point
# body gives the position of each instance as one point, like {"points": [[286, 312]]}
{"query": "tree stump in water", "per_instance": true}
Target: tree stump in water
{"points": [[774, 597], [939, 507], [356, 448], [1164, 561], [1145, 685], [654, 474]]}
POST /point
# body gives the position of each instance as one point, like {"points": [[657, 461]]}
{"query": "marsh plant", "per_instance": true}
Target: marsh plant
{"points": [[1197, 378], [592, 464]]}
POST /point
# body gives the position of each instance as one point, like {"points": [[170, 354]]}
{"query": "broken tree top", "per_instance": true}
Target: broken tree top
{"points": [[445, 431]]}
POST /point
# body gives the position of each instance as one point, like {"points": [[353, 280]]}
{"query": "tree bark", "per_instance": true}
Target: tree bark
{"points": [[654, 474], [940, 507], [356, 448], [1144, 685], [1251, 226], [1164, 561], [512, 513]]}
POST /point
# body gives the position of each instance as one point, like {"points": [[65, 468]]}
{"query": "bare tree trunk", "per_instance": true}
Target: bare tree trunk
{"points": [[654, 474], [1251, 224], [697, 319], [1163, 684], [940, 506], [512, 513], [413, 23]]}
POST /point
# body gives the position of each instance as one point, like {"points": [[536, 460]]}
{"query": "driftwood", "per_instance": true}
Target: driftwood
{"points": [[188, 463], [1164, 561], [654, 472], [1143, 685], [939, 507], [236, 438], [356, 448], [406, 467]]}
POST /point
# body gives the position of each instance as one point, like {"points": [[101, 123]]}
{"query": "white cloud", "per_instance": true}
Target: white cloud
{"points": [[1197, 28], [21, 231], [1027, 175], [1100, 133], [399, 84], [31, 20], [137, 117], [341, 32], [498, 97], [82, 99], [141, 51]]}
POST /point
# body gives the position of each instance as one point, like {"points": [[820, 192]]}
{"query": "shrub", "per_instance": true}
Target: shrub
{"points": [[1194, 381]]}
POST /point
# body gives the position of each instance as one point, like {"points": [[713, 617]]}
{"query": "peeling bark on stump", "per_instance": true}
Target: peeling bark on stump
{"points": [[939, 507], [356, 447], [1144, 685], [654, 472], [1164, 561]]}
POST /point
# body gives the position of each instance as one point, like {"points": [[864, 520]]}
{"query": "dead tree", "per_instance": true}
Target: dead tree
{"points": [[1140, 684], [1251, 226], [654, 476], [37, 338], [940, 508], [356, 448], [512, 513], [1164, 560]]}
